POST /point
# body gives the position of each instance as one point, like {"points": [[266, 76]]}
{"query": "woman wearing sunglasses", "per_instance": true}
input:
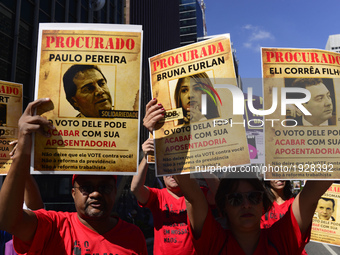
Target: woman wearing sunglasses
{"points": [[243, 202]]}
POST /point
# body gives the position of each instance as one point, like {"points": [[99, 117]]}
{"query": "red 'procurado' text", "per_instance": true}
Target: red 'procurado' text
{"points": [[304, 57], [8, 90], [186, 56], [90, 42]]}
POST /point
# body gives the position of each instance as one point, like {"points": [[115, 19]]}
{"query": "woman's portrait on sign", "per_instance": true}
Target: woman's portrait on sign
{"points": [[188, 93]]}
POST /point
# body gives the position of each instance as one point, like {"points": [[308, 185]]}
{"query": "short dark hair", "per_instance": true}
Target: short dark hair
{"points": [[303, 83], [329, 199], [229, 185], [69, 87], [306, 82]]}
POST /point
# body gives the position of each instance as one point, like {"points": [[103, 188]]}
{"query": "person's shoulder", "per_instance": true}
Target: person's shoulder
{"points": [[298, 120], [290, 201], [54, 215], [157, 191]]}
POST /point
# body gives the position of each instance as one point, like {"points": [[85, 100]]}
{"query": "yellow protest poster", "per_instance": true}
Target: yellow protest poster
{"points": [[10, 112], [91, 73], [197, 133], [301, 92], [326, 220]]}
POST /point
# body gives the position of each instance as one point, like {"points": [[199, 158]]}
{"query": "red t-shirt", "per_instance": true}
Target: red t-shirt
{"points": [[275, 213], [171, 233], [63, 233], [284, 237]]}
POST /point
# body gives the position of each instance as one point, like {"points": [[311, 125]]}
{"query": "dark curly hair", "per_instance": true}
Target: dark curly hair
{"points": [[229, 185]]}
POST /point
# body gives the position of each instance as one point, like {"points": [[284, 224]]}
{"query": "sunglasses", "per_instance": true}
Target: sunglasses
{"points": [[238, 198], [88, 189]]}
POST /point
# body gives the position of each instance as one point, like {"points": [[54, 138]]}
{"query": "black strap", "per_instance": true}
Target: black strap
{"points": [[273, 245], [219, 253]]}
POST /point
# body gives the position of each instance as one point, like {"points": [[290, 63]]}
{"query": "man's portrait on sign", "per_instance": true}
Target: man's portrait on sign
{"points": [[321, 106], [89, 89]]}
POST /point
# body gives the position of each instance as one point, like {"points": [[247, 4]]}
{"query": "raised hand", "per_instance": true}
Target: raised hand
{"points": [[154, 113], [148, 147], [29, 123]]}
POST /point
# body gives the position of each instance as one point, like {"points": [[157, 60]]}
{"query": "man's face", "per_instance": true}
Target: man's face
{"points": [[320, 105], [170, 182], [92, 93], [246, 216], [324, 209], [99, 201]]}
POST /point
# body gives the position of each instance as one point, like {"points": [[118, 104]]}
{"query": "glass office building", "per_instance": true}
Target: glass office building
{"points": [[191, 21]]}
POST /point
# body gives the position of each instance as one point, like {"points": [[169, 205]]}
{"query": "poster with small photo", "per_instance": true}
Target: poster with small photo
{"points": [[11, 98]]}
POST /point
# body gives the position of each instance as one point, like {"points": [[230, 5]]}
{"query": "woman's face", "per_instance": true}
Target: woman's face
{"points": [[277, 184], [246, 216], [190, 94]]}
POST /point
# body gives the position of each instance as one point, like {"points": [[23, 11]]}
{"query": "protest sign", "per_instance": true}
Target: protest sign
{"points": [[301, 134], [10, 112], [91, 73], [326, 220], [254, 131], [197, 133]]}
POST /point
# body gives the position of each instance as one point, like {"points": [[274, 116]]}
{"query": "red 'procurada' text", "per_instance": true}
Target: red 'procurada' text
{"points": [[189, 55]]}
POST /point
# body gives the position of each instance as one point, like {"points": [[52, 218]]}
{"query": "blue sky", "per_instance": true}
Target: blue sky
{"points": [[271, 23]]}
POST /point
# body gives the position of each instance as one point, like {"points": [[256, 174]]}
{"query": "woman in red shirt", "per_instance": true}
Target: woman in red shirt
{"points": [[282, 197]]}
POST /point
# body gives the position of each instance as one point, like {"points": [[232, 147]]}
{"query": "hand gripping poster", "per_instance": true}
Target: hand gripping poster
{"points": [[301, 89], [91, 73], [326, 220], [197, 133], [10, 112]]}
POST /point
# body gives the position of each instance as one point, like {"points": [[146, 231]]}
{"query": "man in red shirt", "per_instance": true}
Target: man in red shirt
{"points": [[91, 230], [171, 233]]}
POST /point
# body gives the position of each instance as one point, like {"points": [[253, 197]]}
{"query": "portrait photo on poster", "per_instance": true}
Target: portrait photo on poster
{"points": [[3, 115], [326, 209], [86, 89], [186, 93], [322, 104]]}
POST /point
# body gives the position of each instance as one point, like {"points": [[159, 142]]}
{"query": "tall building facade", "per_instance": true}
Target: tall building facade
{"points": [[333, 43], [161, 32], [18, 44], [192, 20]]}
